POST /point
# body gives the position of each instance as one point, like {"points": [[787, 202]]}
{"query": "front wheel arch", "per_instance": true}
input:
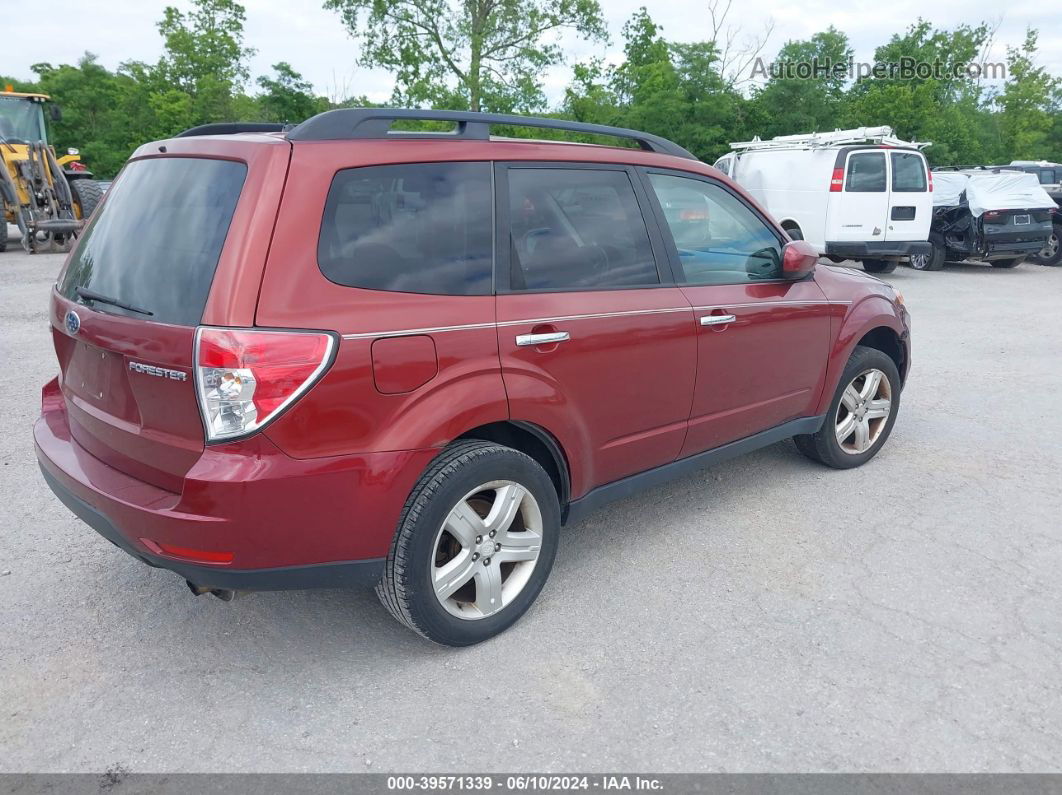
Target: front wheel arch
{"points": [[888, 342]]}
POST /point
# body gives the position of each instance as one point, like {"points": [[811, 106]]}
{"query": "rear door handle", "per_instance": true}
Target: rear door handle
{"points": [[552, 337], [717, 320]]}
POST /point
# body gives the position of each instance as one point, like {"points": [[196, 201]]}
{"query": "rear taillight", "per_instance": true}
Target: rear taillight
{"points": [[246, 377], [930, 181], [992, 216], [837, 180]]}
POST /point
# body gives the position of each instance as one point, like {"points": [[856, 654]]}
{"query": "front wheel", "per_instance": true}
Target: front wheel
{"points": [[879, 265], [87, 193], [861, 415], [933, 261], [474, 546]]}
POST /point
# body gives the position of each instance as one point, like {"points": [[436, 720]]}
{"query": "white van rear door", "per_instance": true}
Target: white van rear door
{"points": [[910, 202], [860, 211]]}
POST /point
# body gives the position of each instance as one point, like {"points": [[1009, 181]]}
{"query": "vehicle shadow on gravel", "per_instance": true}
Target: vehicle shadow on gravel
{"points": [[351, 625]]}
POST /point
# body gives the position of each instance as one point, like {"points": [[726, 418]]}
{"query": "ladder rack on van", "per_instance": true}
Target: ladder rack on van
{"points": [[860, 135]]}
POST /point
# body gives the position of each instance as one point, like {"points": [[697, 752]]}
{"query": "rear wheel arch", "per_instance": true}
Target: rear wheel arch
{"points": [[792, 228], [536, 442]]}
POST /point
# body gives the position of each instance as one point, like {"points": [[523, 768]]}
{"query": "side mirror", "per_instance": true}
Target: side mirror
{"points": [[55, 112], [799, 258]]}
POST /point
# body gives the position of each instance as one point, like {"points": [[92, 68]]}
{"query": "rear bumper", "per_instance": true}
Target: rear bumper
{"points": [[848, 249], [283, 523], [319, 575]]}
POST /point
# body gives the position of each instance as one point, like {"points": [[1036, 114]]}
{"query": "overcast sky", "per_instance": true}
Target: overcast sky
{"points": [[313, 41]]}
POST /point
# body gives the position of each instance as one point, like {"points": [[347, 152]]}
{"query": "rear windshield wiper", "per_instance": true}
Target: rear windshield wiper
{"points": [[92, 295]]}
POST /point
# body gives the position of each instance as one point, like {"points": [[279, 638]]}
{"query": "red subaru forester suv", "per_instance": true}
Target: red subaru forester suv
{"points": [[342, 354]]}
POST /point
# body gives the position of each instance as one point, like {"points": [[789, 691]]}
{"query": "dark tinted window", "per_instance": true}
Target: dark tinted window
{"points": [[1047, 176], [577, 229], [156, 241], [866, 173], [908, 173], [421, 228], [720, 240]]}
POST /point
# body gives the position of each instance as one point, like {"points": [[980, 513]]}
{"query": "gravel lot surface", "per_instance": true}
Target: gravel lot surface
{"points": [[765, 615]]}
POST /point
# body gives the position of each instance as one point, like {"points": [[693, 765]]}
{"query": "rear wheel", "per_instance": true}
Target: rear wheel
{"points": [[474, 546], [1051, 253], [879, 265], [3, 231], [1007, 263], [861, 415], [87, 193], [793, 231]]}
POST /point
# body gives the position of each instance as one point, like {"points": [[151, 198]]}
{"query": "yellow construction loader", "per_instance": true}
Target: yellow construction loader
{"points": [[47, 197]]}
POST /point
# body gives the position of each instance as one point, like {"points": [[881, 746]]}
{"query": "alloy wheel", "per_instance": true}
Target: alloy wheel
{"points": [[863, 411], [919, 261], [1050, 248], [486, 549]]}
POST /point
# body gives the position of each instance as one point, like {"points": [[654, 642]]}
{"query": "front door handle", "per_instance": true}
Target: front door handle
{"points": [[550, 338], [717, 320]]}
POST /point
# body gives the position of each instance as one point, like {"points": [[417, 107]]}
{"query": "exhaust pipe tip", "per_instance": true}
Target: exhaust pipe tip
{"points": [[224, 594]]}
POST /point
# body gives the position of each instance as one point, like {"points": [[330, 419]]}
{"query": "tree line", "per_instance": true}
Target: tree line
{"points": [[491, 54]]}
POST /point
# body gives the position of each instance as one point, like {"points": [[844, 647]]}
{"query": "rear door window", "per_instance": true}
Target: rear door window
{"points": [[866, 173], [577, 229], [1048, 176], [155, 244], [908, 173], [418, 228]]}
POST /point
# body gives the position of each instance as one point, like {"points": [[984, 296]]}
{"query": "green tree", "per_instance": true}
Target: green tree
{"points": [[789, 104], [204, 55], [1029, 105], [287, 97], [943, 107], [477, 54]]}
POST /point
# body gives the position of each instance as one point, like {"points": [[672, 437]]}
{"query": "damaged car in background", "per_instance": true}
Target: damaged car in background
{"points": [[994, 216]]}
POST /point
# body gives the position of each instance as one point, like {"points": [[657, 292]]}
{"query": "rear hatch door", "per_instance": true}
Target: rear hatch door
{"points": [[180, 240]]}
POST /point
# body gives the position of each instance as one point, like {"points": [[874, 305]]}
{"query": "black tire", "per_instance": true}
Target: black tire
{"points": [[1007, 263], [87, 193], [793, 231], [406, 589], [933, 261], [3, 230], [1050, 254], [824, 446], [879, 265]]}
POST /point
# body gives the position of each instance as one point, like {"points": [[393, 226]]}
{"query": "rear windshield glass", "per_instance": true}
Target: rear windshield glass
{"points": [[908, 173], [419, 228], [156, 241]]}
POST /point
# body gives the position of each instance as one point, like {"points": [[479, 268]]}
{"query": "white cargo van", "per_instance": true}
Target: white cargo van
{"points": [[859, 194]]}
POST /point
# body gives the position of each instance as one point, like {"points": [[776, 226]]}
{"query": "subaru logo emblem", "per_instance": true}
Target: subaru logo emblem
{"points": [[73, 322]]}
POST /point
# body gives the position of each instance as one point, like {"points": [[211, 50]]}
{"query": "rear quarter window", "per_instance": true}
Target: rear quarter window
{"points": [[156, 241], [417, 228]]}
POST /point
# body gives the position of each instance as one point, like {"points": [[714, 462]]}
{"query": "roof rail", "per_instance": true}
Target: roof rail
{"points": [[858, 135], [233, 127], [375, 123]]}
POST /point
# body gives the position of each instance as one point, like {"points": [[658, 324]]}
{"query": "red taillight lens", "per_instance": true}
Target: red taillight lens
{"points": [[993, 215], [930, 173], [246, 376], [837, 180]]}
